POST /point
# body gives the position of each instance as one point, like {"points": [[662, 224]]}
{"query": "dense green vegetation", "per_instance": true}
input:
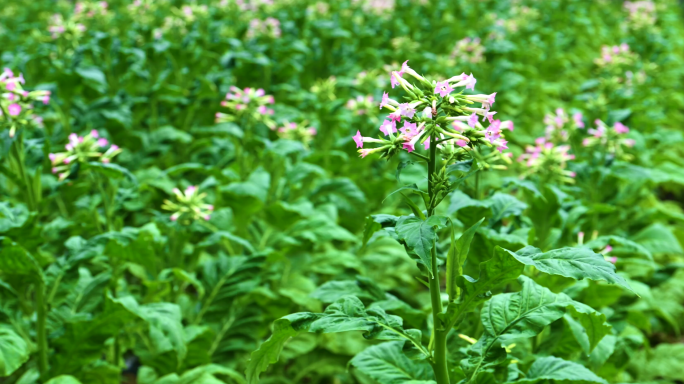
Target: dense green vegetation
{"points": [[183, 200]]}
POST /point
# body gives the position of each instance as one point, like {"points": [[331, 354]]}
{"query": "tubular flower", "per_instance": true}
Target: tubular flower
{"points": [[438, 111], [547, 161], [249, 101], [82, 149], [298, 132], [16, 104], [73, 27], [189, 206], [613, 140]]}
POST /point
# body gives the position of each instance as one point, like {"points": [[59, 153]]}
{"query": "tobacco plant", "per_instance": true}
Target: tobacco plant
{"points": [[507, 318]]}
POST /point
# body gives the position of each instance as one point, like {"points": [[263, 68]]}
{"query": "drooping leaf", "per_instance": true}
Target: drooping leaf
{"points": [[420, 236], [269, 351], [386, 364], [577, 263], [14, 351], [64, 379], [456, 257], [552, 368]]}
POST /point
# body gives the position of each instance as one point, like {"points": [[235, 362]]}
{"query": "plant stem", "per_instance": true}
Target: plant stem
{"points": [[41, 332], [440, 352]]}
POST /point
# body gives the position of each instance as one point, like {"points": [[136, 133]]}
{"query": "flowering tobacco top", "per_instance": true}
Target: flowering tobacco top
{"points": [[298, 132], [557, 127], [361, 104], [16, 104], [612, 140], [548, 161], [468, 50], [438, 109], [82, 149], [190, 205], [249, 102], [641, 14], [269, 27], [73, 26]]}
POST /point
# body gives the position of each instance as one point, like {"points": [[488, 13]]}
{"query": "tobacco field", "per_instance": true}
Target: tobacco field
{"points": [[341, 191]]}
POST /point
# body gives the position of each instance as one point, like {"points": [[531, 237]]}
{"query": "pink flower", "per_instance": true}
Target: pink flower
{"points": [[461, 143], [114, 147], [388, 127], [629, 142], [395, 116], [385, 99], [46, 99], [472, 120], [393, 80], [358, 139], [577, 117], [409, 129], [262, 109], [364, 152], [54, 170], [404, 68], [14, 109], [507, 125], [406, 110], [240, 107], [94, 134], [443, 88], [426, 143], [190, 189], [52, 157], [612, 259], [471, 82], [66, 161], [409, 147], [259, 92], [102, 142], [11, 86], [620, 128], [207, 217], [573, 174], [586, 142], [502, 145], [608, 249], [210, 207]]}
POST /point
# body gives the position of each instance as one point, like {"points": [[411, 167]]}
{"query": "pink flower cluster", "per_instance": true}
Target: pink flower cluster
{"points": [[556, 129], [421, 119], [361, 104], [270, 27], [252, 5], [299, 132], [548, 160], [604, 136], [82, 149], [16, 102], [468, 50], [641, 13], [380, 7], [615, 55], [189, 206]]}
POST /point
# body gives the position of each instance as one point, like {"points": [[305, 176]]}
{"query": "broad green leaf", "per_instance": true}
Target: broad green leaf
{"points": [[552, 368], [14, 351], [664, 362], [420, 236], [113, 171], [504, 205], [577, 263], [15, 260], [498, 270], [267, 354], [388, 365], [456, 257], [658, 239], [64, 379]]}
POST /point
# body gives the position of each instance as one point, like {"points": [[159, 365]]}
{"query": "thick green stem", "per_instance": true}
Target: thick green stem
{"points": [[41, 331], [440, 353]]}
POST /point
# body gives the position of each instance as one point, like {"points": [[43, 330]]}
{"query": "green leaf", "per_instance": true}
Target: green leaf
{"points": [[456, 257], [14, 351], [504, 205], [577, 263], [386, 364], [420, 236], [553, 368], [15, 260], [498, 270], [659, 239], [64, 379], [113, 171], [269, 351]]}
